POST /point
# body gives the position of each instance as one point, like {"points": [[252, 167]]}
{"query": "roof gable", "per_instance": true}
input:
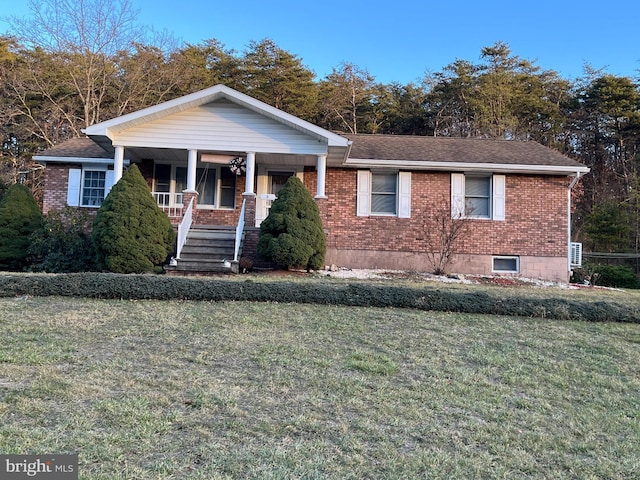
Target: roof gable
{"points": [[111, 128]]}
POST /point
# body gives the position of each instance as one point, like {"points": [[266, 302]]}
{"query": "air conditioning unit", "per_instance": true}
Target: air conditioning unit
{"points": [[576, 254]]}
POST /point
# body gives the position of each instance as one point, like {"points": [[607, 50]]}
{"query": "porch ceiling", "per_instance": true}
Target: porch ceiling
{"points": [[137, 154]]}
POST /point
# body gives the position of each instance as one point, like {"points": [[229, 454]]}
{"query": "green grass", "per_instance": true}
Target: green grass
{"points": [[199, 390]]}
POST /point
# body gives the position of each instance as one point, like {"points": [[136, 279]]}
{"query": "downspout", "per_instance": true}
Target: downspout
{"points": [[571, 185]]}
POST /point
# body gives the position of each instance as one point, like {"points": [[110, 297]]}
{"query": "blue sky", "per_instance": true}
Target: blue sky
{"points": [[400, 41]]}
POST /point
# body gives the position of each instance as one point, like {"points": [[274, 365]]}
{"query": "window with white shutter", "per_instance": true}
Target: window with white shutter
{"points": [[88, 187], [478, 196], [383, 194]]}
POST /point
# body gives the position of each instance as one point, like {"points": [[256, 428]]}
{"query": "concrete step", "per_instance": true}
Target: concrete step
{"points": [[213, 249], [212, 235]]}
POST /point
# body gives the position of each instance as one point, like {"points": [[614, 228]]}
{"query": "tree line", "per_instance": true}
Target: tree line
{"points": [[61, 73]]}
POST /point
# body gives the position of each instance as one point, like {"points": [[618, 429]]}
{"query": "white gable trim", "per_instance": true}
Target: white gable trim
{"points": [[197, 99]]}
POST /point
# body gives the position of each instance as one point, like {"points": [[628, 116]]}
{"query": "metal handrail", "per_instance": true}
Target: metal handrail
{"points": [[239, 230], [184, 227]]}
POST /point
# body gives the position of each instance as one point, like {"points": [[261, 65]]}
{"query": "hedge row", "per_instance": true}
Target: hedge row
{"points": [[157, 287]]}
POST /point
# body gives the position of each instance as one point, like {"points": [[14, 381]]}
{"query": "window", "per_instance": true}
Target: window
{"points": [[93, 188], [88, 188], [216, 185], [477, 196], [384, 194], [384, 190], [506, 264]]}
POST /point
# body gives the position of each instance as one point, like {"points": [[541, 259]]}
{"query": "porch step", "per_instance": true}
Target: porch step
{"points": [[206, 251]]}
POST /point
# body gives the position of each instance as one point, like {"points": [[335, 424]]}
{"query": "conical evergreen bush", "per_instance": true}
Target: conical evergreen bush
{"points": [[292, 234], [20, 217], [131, 233]]}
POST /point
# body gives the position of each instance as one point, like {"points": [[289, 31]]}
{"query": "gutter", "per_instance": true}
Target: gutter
{"points": [[466, 166], [571, 185]]}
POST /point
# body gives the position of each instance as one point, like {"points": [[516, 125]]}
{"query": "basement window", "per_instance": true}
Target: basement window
{"points": [[506, 265]]}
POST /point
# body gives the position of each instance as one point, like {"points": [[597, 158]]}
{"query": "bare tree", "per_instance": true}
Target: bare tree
{"points": [[443, 232], [81, 39], [346, 96]]}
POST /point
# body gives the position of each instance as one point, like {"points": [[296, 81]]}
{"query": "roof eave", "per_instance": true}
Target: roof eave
{"points": [[44, 159], [468, 166]]}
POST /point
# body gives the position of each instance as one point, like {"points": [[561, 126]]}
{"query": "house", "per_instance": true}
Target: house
{"points": [[215, 160]]}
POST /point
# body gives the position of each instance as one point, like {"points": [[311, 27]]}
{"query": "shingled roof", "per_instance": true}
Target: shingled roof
{"points": [[81, 147], [402, 151], [404, 148]]}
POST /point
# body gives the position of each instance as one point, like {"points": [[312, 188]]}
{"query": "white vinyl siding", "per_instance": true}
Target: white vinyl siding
{"points": [[221, 126], [383, 194], [474, 196]]}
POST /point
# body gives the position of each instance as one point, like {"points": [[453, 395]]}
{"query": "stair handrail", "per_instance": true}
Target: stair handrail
{"points": [[183, 228], [239, 231]]}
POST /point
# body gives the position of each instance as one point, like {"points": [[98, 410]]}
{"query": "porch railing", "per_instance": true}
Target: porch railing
{"points": [[239, 230], [170, 203], [183, 228]]}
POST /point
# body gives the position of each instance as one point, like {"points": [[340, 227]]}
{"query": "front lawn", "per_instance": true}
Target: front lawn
{"points": [[151, 389]]}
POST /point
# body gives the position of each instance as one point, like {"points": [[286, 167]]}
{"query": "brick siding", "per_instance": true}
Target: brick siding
{"points": [[536, 217]]}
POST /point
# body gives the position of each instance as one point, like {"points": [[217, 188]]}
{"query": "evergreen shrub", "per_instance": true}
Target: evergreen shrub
{"points": [[131, 233], [292, 234], [64, 242], [358, 294], [20, 216], [615, 276]]}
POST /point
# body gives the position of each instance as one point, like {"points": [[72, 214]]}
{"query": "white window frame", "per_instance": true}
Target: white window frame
{"points": [[364, 193], [497, 197], [505, 257], [75, 184]]}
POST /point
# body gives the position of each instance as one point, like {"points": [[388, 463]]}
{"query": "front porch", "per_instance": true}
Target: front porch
{"points": [[217, 157], [214, 235]]}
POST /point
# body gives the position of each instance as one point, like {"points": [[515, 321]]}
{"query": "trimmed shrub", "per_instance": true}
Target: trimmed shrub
{"points": [[292, 234], [359, 294], [20, 216], [131, 233], [64, 243]]}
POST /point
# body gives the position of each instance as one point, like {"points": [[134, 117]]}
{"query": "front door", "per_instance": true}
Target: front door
{"points": [[268, 190]]}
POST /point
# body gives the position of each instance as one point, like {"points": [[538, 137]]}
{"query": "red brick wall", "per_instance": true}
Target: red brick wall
{"points": [[56, 178], [536, 223]]}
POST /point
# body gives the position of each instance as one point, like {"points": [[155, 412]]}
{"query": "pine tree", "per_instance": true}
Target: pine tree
{"points": [[20, 217], [131, 233], [292, 234]]}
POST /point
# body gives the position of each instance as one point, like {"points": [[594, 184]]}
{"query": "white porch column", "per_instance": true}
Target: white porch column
{"points": [[192, 163], [251, 172], [118, 164], [322, 175]]}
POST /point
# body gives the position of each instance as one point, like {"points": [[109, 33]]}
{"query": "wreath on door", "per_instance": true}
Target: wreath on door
{"points": [[238, 165]]}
